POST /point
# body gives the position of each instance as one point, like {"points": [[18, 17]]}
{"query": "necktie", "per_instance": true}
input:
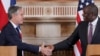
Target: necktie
{"points": [[19, 32], [90, 33]]}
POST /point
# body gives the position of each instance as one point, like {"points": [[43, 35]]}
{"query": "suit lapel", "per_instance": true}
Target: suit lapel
{"points": [[86, 32], [96, 29], [13, 30]]}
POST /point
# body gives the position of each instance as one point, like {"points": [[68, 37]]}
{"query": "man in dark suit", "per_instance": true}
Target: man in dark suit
{"points": [[11, 37], [82, 31]]}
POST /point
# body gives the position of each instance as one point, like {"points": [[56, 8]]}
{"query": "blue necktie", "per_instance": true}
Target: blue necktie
{"points": [[90, 33], [17, 28]]}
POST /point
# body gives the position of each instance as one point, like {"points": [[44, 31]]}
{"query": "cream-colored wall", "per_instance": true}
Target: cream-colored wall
{"points": [[36, 33]]}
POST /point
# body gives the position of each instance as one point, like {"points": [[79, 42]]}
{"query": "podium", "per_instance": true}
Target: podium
{"points": [[93, 50], [8, 50]]}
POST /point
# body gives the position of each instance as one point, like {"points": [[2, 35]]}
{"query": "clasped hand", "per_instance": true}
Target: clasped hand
{"points": [[47, 51]]}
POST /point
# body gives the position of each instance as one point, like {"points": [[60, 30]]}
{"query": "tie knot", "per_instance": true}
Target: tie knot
{"points": [[90, 24], [18, 27]]}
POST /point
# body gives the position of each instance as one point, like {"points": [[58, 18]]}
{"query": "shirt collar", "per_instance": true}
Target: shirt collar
{"points": [[95, 21], [14, 25]]}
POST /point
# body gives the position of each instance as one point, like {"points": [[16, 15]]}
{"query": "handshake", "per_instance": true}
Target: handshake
{"points": [[46, 50]]}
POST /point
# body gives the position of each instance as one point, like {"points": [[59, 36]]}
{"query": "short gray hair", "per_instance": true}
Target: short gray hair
{"points": [[12, 10]]}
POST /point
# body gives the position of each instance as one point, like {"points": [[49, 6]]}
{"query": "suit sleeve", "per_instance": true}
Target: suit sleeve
{"points": [[10, 38]]}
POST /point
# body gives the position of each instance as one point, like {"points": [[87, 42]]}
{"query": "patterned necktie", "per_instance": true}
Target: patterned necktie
{"points": [[19, 32], [90, 33]]}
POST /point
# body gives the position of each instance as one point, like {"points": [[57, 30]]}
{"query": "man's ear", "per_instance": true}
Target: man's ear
{"points": [[14, 15]]}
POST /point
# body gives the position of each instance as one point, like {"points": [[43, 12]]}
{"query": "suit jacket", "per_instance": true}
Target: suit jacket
{"points": [[80, 33], [10, 37]]}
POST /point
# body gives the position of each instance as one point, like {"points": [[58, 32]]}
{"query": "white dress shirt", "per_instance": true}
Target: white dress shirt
{"points": [[94, 23]]}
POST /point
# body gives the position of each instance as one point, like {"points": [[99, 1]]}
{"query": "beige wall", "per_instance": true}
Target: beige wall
{"points": [[29, 29]]}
